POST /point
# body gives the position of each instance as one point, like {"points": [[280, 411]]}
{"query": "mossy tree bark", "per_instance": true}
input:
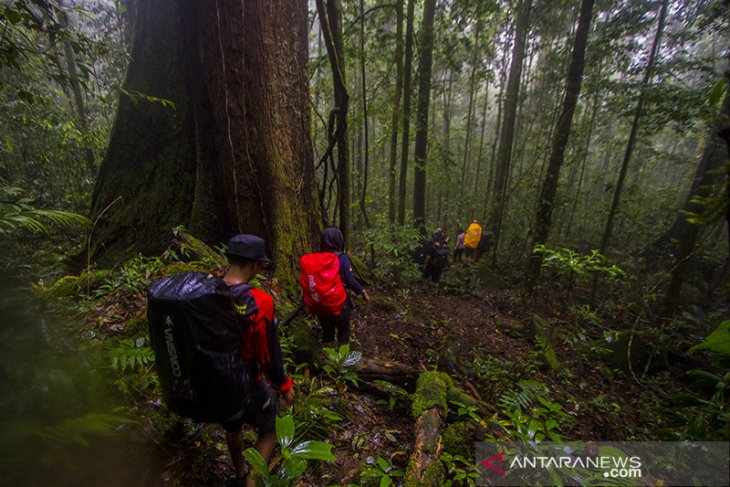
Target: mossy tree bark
{"points": [[233, 155], [424, 96]]}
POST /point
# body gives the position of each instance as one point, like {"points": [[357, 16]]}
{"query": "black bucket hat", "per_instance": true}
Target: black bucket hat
{"points": [[249, 247]]}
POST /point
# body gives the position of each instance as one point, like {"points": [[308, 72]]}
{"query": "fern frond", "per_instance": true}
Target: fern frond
{"points": [[529, 391], [77, 430], [13, 217]]}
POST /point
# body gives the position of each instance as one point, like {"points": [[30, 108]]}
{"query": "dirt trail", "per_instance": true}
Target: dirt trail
{"points": [[413, 325]]}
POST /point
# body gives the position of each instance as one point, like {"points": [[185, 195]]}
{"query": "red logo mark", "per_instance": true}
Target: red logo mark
{"points": [[490, 462]]}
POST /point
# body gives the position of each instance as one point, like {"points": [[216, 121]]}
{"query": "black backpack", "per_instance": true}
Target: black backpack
{"points": [[440, 257], [196, 337]]}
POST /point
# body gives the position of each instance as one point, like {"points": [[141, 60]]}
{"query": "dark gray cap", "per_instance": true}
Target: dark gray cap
{"points": [[249, 247]]}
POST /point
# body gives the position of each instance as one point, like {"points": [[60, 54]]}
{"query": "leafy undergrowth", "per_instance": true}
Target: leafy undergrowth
{"points": [[565, 383]]}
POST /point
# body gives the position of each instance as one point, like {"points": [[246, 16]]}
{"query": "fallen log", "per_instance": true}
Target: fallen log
{"points": [[424, 468], [199, 249], [370, 369], [429, 407]]}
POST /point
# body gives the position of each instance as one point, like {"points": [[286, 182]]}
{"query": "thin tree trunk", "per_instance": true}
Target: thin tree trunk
{"points": [[364, 175], [562, 133], [495, 141], [405, 143], [424, 96], [469, 113], [396, 112], [330, 17], [632, 139], [713, 157], [583, 161], [78, 95], [479, 156], [508, 126]]}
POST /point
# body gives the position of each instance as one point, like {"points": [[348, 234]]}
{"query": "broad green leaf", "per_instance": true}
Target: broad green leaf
{"points": [[292, 468], [314, 450], [718, 341], [258, 463], [285, 430], [704, 375]]}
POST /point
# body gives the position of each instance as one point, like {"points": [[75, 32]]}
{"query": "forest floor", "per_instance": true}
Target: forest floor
{"points": [[477, 335]]}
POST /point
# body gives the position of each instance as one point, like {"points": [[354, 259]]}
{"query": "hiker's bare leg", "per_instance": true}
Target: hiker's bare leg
{"points": [[264, 445], [235, 448]]}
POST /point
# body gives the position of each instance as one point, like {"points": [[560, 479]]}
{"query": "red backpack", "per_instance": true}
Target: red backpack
{"points": [[322, 287]]}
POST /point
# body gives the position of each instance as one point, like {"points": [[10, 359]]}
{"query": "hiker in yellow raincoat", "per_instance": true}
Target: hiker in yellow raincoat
{"points": [[471, 240]]}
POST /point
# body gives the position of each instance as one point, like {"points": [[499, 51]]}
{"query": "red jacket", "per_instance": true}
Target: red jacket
{"points": [[260, 333]]}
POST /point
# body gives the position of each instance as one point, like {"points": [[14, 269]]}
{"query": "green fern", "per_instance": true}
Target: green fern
{"points": [[18, 212], [78, 430], [131, 355], [530, 390]]}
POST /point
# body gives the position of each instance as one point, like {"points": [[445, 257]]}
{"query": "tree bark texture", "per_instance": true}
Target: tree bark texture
{"points": [[608, 229], [396, 111], [560, 141], [424, 96], [78, 95], [330, 17], [405, 142], [234, 154], [713, 157], [634, 128], [508, 124]]}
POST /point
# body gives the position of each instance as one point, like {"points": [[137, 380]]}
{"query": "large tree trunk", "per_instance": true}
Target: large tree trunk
{"points": [[508, 126], [424, 96], [560, 141], [233, 155]]}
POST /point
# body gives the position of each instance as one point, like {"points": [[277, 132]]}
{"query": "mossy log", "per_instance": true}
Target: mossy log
{"points": [[429, 405], [199, 249], [424, 468]]}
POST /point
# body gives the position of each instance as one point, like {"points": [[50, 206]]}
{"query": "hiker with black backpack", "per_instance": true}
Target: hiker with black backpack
{"points": [[261, 350], [326, 277], [437, 256], [213, 338]]}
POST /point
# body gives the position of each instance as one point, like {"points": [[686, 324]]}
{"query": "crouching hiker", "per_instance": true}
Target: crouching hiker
{"points": [[327, 280], [261, 351]]}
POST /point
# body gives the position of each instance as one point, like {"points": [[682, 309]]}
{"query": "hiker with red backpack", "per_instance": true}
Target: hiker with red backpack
{"points": [[326, 277], [261, 350]]}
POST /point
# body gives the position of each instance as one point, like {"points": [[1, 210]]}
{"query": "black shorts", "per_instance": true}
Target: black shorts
{"points": [[260, 411]]}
